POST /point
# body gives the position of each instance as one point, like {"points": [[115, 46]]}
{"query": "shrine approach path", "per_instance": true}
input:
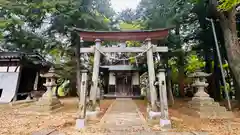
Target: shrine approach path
{"points": [[123, 115]]}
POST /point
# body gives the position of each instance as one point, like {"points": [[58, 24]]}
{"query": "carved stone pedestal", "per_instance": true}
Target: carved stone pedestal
{"points": [[48, 103], [206, 107]]}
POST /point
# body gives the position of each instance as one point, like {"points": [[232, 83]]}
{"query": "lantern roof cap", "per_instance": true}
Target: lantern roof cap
{"points": [[198, 74], [50, 74]]}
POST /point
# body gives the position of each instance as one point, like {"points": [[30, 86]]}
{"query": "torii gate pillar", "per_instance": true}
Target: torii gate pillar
{"points": [[94, 86], [151, 74]]}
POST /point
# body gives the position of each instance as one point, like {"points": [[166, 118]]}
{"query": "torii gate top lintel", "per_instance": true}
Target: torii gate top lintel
{"points": [[134, 35]]}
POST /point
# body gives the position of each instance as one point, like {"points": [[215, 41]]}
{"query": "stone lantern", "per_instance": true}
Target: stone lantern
{"points": [[199, 82], [202, 103], [49, 100]]}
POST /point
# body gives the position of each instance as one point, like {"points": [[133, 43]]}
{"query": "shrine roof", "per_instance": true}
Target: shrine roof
{"points": [[125, 35], [10, 55], [32, 57]]}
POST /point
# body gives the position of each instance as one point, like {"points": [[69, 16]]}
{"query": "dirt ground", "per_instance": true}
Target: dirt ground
{"points": [[187, 123], [13, 122]]}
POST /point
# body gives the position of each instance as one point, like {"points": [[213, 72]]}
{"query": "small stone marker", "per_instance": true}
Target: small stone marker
{"points": [[80, 123]]}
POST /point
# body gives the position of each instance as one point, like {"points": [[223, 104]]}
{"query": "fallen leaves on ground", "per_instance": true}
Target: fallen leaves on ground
{"points": [[187, 123], [14, 122]]}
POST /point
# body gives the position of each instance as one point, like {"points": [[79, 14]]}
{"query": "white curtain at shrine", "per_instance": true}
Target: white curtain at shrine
{"points": [[112, 79], [135, 78]]}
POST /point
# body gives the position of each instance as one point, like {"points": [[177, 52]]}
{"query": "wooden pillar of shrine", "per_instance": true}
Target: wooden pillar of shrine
{"points": [[151, 74], [95, 74]]}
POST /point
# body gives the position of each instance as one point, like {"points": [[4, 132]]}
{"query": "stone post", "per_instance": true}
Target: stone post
{"points": [[80, 122], [165, 123], [95, 74], [151, 74]]}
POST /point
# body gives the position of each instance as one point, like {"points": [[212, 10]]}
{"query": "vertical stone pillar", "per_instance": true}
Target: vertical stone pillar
{"points": [[80, 122], [164, 120], [95, 74], [151, 74]]}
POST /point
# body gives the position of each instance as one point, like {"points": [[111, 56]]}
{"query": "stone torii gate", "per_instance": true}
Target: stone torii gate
{"points": [[123, 36]]}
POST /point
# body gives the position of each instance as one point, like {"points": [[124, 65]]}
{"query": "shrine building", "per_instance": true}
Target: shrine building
{"points": [[19, 75]]}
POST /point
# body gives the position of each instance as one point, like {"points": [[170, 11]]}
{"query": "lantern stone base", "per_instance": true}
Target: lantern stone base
{"points": [[206, 107], [47, 104]]}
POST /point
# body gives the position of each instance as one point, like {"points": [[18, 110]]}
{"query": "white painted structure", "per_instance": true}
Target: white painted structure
{"points": [[9, 78], [135, 78], [8, 85], [112, 79], [17, 75]]}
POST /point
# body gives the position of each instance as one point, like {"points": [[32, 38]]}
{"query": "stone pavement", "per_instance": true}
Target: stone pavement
{"points": [[124, 118], [123, 115]]}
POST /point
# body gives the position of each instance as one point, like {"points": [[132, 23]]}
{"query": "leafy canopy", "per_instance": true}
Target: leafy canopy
{"points": [[228, 4]]}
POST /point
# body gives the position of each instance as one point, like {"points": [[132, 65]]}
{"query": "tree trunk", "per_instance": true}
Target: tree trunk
{"points": [[228, 25], [180, 65], [169, 87], [76, 43], [217, 76], [181, 76]]}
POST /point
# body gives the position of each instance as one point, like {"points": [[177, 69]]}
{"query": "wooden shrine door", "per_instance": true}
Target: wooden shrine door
{"points": [[123, 85]]}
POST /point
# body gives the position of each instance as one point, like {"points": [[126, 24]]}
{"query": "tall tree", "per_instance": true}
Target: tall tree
{"points": [[167, 13], [227, 20], [44, 26]]}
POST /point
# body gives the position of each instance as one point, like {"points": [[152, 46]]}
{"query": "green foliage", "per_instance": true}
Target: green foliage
{"points": [[41, 26], [128, 15], [164, 13], [226, 5], [132, 60], [172, 63], [193, 63], [228, 88], [129, 26], [133, 43]]}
